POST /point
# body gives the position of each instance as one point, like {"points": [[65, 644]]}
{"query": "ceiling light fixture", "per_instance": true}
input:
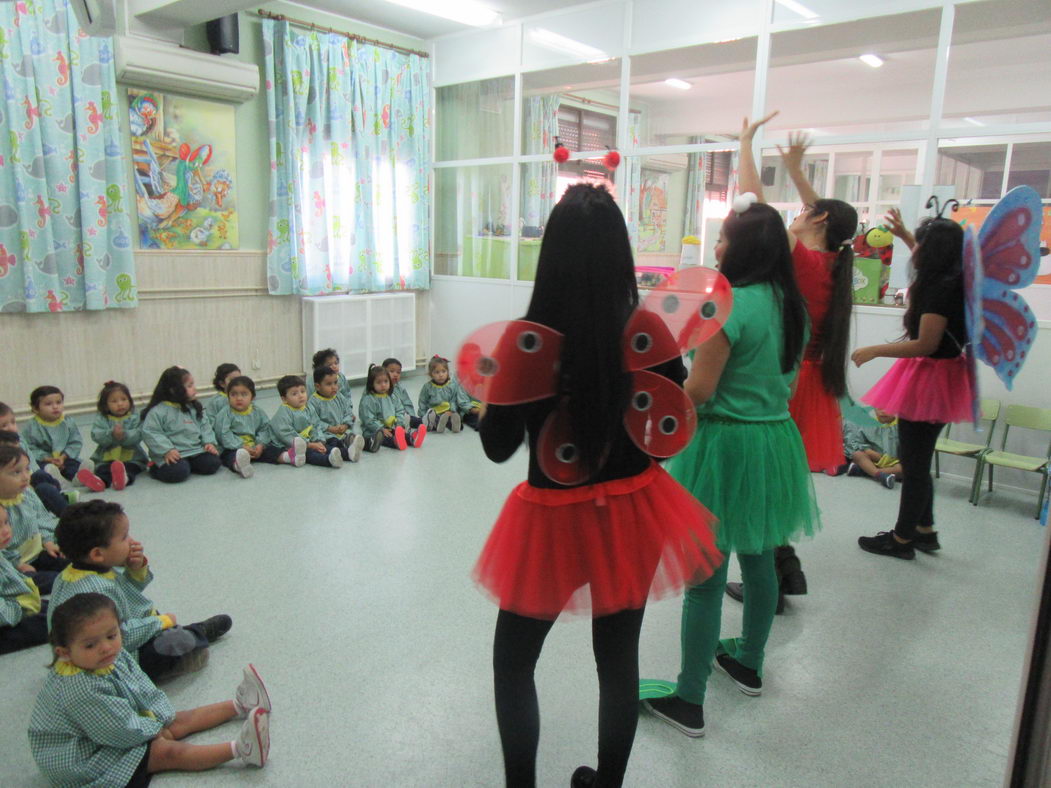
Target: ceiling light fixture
{"points": [[568, 46], [675, 82], [871, 60], [466, 12], [797, 8]]}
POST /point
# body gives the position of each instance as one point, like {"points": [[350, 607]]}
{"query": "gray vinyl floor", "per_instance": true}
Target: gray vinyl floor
{"points": [[350, 592]]}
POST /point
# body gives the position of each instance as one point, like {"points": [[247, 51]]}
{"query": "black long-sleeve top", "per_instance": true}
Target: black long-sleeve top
{"points": [[505, 426]]}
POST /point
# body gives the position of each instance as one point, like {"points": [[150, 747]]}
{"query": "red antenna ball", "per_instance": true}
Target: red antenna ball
{"points": [[611, 160], [561, 153]]}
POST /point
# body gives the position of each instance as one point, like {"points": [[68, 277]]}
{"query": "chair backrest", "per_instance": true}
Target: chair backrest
{"points": [[1026, 417], [990, 412]]}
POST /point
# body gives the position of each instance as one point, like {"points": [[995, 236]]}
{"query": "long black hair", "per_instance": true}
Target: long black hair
{"points": [[834, 331], [171, 387], [937, 263], [585, 288], [375, 371], [757, 251]]}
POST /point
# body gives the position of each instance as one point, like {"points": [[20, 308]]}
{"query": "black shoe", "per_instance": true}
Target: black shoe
{"points": [[793, 583], [746, 679], [789, 571], [215, 627], [928, 543], [884, 543], [685, 717], [374, 443], [583, 777], [187, 663], [736, 592]]}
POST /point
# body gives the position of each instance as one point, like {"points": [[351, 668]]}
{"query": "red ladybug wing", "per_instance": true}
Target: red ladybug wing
{"points": [[510, 362], [660, 419], [687, 309], [557, 455]]}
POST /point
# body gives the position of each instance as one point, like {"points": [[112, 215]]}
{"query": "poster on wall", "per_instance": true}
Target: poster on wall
{"points": [[183, 151], [974, 215], [653, 211]]}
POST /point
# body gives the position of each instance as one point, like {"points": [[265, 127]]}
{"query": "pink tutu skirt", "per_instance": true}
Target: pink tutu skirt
{"points": [[937, 390]]}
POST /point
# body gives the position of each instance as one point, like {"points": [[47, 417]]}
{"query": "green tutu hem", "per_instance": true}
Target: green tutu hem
{"points": [[754, 477]]}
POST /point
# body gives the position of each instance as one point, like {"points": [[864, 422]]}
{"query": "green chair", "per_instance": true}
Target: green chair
{"points": [[946, 445], [1023, 417]]}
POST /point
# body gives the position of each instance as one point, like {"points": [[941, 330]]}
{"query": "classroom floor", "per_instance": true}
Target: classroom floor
{"points": [[350, 591]]}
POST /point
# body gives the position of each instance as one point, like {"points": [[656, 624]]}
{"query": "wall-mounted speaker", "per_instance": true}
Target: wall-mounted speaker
{"points": [[222, 35]]}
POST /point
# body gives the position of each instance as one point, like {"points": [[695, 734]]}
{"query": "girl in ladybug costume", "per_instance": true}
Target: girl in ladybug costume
{"points": [[615, 529]]}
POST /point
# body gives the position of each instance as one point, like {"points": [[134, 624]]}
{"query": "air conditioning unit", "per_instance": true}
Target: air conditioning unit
{"points": [[145, 63], [95, 17]]}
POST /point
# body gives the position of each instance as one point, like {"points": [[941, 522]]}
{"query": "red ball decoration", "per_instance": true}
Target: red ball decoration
{"points": [[611, 160], [561, 153]]}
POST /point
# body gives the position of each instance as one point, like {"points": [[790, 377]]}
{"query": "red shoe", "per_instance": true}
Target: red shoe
{"points": [[90, 480], [120, 475], [399, 439], [418, 435]]}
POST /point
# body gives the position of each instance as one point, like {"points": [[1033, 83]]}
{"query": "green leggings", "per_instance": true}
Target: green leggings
{"points": [[702, 608]]}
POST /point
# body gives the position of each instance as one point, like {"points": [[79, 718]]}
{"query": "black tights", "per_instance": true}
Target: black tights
{"points": [[516, 649], [916, 449]]}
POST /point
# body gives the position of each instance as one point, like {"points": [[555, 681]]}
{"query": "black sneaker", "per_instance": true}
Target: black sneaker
{"points": [[685, 717], [583, 777], [886, 479], [215, 627], [884, 543], [736, 592], [187, 663], [375, 442], [854, 470], [746, 679], [928, 543]]}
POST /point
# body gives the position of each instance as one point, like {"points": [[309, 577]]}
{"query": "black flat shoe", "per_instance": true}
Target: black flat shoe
{"points": [[884, 543], [583, 777]]}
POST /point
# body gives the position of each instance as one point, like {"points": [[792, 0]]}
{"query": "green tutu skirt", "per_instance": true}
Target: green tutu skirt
{"points": [[753, 476]]}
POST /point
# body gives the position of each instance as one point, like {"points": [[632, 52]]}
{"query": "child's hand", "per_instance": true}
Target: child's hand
{"points": [[387, 433], [118, 431], [748, 130], [316, 446], [166, 734], [136, 558], [862, 355], [26, 569], [897, 227], [60, 461], [210, 448], [474, 410], [172, 617], [798, 142], [52, 549], [256, 451], [172, 457]]}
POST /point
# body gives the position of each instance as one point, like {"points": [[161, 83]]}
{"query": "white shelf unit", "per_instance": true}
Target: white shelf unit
{"points": [[363, 329]]}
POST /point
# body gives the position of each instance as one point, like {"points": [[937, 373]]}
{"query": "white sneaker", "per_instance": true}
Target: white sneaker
{"points": [[243, 464], [356, 446], [251, 693], [253, 742], [52, 470], [298, 452], [335, 458], [443, 421], [455, 421]]}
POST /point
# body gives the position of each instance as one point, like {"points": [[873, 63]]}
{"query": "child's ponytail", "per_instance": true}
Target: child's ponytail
{"points": [[834, 331]]}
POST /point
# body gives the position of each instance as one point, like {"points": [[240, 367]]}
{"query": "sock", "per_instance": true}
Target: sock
{"points": [[242, 712], [233, 750], [284, 458]]}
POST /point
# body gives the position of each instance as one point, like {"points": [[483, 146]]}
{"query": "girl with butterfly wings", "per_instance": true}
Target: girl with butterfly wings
{"points": [[962, 307], [598, 524]]}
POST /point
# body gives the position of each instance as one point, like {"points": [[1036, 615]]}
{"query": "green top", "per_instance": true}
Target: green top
{"points": [[18, 595], [752, 386], [331, 412], [378, 411], [31, 526], [90, 729], [241, 429], [344, 385], [289, 423], [399, 393], [108, 448], [52, 438], [448, 396], [216, 405], [167, 426]]}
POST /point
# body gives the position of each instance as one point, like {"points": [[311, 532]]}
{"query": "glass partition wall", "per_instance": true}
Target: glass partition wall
{"points": [[950, 95]]}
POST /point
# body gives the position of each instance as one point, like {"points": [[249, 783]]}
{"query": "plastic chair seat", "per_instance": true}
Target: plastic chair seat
{"points": [[960, 448], [1021, 462]]}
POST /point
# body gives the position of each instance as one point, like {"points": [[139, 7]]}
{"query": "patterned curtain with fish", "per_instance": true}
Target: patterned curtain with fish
{"points": [[350, 162], [65, 231]]}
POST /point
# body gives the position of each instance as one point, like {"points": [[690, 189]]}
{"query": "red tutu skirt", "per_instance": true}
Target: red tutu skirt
{"points": [[926, 389], [816, 414], [604, 547]]}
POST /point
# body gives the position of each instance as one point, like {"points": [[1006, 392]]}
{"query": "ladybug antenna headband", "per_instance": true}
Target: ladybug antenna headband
{"points": [[940, 207]]}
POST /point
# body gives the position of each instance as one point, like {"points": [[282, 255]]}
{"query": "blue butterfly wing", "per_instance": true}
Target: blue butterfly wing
{"points": [[1010, 255], [972, 280]]}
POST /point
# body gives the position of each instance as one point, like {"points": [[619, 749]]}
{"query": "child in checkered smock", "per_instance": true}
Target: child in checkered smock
{"points": [[99, 722]]}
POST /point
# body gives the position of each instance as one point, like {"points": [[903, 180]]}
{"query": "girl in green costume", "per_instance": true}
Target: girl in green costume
{"points": [[746, 462]]}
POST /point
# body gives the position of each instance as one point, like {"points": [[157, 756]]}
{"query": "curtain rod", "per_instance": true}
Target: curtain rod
{"points": [[352, 36]]}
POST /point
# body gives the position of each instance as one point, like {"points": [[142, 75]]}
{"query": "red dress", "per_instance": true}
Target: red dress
{"points": [[813, 408]]}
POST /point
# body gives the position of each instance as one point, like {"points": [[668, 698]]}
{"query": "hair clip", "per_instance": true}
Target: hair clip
{"points": [[742, 202], [937, 205], [436, 357]]}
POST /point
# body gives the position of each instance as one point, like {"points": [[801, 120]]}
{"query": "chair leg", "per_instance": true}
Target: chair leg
{"points": [[1043, 494], [991, 469], [976, 484]]}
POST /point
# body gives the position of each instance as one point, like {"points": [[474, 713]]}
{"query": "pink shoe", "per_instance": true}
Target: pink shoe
{"points": [[90, 480], [399, 439], [418, 435], [119, 474]]}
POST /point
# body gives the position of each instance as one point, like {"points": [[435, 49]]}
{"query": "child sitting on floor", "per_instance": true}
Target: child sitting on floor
{"points": [[329, 358], [47, 487], [335, 414], [224, 373], [295, 428], [99, 721], [106, 560], [23, 615], [243, 431], [398, 392], [117, 433], [178, 435], [872, 450], [443, 402], [383, 422], [32, 548], [53, 441]]}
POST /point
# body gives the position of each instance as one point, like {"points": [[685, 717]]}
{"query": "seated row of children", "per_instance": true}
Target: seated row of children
{"points": [[313, 425], [99, 719]]}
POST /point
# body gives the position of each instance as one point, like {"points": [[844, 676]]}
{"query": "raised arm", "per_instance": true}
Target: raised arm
{"points": [[798, 142], [748, 179]]}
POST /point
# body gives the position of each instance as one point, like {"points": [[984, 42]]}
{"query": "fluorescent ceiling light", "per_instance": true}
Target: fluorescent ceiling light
{"points": [[466, 12], [551, 40], [974, 121], [675, 82], [871, 60], [797, 8]]}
